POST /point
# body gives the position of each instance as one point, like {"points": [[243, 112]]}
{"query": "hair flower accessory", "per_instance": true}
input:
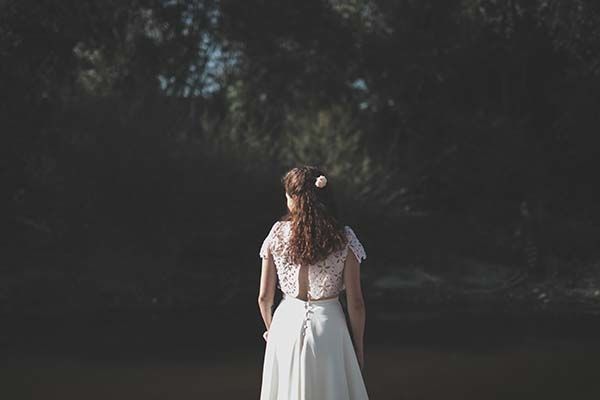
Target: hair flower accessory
{"points": [[321, 181]]}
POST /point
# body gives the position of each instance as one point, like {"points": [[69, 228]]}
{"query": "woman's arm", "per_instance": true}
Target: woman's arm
{"points": [[356, 304], [266, 294]]}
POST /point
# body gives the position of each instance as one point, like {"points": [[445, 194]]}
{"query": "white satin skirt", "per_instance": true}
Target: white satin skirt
{"points": [[309, 354]]}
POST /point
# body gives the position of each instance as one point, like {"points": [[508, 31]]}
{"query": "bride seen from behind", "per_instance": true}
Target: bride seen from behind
{"points": [[311, 257]]}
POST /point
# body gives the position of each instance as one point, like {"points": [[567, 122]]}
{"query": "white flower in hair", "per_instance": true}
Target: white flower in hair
{"points": [[321, 181]]}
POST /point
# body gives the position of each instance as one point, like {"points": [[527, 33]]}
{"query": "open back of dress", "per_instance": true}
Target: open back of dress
{"points": [[321, 280]]}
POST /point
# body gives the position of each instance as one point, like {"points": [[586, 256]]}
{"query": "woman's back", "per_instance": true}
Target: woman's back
{"points": [[323, 279], [311, 257]]}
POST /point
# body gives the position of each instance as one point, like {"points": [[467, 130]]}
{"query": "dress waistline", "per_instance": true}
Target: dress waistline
{"points": [[311, 301]]}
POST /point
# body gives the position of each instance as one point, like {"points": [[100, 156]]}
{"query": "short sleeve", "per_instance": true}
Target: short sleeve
{"points": [[355, 245], [266, 245]]}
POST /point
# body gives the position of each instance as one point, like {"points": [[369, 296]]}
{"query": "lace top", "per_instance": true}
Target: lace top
{"points": [[325, 278]]}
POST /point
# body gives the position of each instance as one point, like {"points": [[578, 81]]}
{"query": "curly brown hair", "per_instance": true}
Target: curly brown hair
{"points": [[315, 228]]}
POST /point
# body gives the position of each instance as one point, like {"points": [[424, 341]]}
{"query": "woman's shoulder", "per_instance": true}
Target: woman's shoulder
{"points": [[277, 226], [354, 244], [349, 231], [280, 223], [272, 236], [350, 234]]}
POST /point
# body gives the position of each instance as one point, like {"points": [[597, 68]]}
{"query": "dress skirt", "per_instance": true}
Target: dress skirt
{"points": [[309, 354]]}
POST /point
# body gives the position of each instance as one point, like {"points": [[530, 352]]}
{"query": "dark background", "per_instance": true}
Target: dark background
{"points": [[141, 148]]}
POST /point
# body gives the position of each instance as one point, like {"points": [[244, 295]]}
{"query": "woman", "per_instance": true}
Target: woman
{"points": [[311, 258]]}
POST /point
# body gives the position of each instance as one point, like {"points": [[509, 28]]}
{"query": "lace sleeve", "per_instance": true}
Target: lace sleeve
{"points": [[355, 245], [266, 245]]}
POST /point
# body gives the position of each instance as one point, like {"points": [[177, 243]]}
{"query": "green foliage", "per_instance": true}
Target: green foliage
{"points": [[333, 139], [463, 107]]}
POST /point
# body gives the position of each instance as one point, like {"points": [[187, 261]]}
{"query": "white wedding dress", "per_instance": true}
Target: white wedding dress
{"points": [[309, 353]]}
